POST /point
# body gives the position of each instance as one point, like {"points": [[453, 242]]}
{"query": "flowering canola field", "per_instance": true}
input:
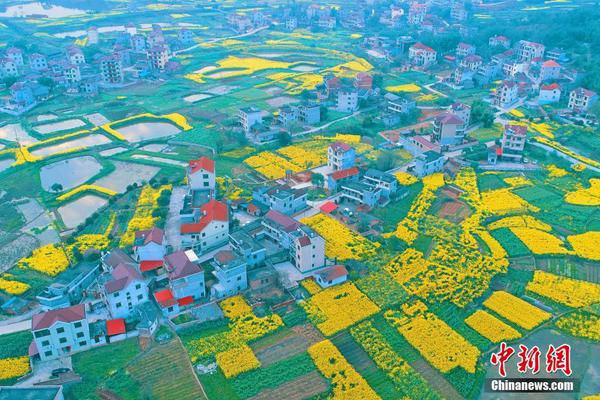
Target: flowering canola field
{"points": [[516, 310]]}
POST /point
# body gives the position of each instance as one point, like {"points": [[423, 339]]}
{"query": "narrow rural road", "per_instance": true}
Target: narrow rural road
{"points": [[252, 32]]}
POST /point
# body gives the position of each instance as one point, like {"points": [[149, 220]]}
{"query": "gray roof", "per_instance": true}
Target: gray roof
{"points": [[380, 175]]}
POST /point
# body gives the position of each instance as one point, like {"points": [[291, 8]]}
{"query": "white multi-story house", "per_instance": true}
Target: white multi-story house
{"points": [[111, 70], [122, 289], [448, 129], [208, 229], [149, 245], [281, 198], [75, 55], [249, 116], [416, 13], [231, 273], [307, 251], [421, 55], [340, 156], [201, 175], [61, 332], [513, 142], [8, 68], [347, 100], [72, 73], [92, 35], [464, 49], [38, 62], [507, 94], [549, 94], [16, 55], [462, 111], [581, 99], [186, 277], [139, 43], [472, 62], [278, 228], [527, 51], [158, 57], [499, 40], [550, 70]]}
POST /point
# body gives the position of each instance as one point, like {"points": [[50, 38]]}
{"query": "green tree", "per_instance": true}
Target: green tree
{"points": [[317, 179]]}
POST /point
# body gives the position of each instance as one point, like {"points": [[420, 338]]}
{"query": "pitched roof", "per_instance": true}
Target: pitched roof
{"points": [[154, 235], [551, 64], [184, 301], [287, 223], [519, 130], [212, 211], [116, 257], [180, 266], [344, 173], [122, 276], [115, 327], [150, 265], [328, 207], [449, 118], [421, 46], [551, 86], [340, 146], [331, 273], [165, 298], [584, 92], [304, 241], [49, 318], [202, 163], [224, 256]]}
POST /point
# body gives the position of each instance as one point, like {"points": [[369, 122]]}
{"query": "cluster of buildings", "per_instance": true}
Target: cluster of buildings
{"points": [[129, 57]]}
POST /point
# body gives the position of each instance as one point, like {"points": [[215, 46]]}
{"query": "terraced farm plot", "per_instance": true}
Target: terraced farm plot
{"points": [[166, 372]]}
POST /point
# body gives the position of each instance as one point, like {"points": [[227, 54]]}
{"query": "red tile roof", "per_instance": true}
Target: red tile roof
{"points": [[184, 301], [552, 86], [154, 235], [304, 241], [224, 256], [165, 298], [340, 146], [115, 327], [122, 276], [421, 46], [49, 318], [344, 173], [329, 207], [204, 163], [212, 211], [519, 130], [150, 265], [33, 350], [287, 223], [551, 64], [331, 273], [449, 118]]}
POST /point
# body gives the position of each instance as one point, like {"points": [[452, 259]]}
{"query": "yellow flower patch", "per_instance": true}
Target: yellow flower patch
{"points": [[239, 153], [339, 307], [407, 265], [340, 241], [516, 310], [406, 88], [85, 188], [581, 324], [311, 286], [518, 181], [234, 307], [563, 290], [579, 167], [495, 247], [271, 165], [237, 360], [14, 367], [540, 242], [520, 221], [351, 68], [50, 259], [556, 172], [586, 196], [491, 327], [437, 342], [586, 245], [89, 241], [567, 151], [346, 382], [516, 113], [405, 179], [142, 217], [503, 201], [15, 288]]}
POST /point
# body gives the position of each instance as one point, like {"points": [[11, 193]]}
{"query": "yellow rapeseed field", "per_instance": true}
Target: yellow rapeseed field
{"points": [[491, 327], [567, 291], [516, 310]]}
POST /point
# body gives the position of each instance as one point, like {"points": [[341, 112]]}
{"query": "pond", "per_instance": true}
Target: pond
{"points": [[69, 173], [125, 174], [76, 212], [16, 133], [148, 130], [86, 141], [38, 9], [196, 97], [59, 126]]}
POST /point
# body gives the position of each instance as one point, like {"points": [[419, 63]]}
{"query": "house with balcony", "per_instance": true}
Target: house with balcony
{"points": [[340, 156], [421, 55], [247, 247], [249, 117], [528, 51], [278, 228], [205, 228], [512, 145], [448, 129], [281, 198], [231, 273], [186, 276], [337, 178], [549, 94], [360, 193], [429, 162], [201, 176], [381, 180], [507, 94], [122, 289], [581, 99]]}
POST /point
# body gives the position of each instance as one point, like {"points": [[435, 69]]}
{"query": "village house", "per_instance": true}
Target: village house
{"points": [[231, 273], [340, 156], [462, 111], [201, 176], [416, 13], [458, 11], [249, 117], [421, 55], [149, 245], [360, 193], [38, 62], [581, 99], [528, 51], [247, 247], [75, 55], [549, 94], [158, 57], [122, 289], [398, 104], [429, 162], [381, 180], [281, 198], [206, 227], [507, 94], [550, 70], [499, 40], [8, 68], [464, 49], [61, 332], [471, 62], [331, 276], [16, 55], [69, 287], [335, 179], [186, 277], [511, 145], [278, 227], [448, 129], [347, 100], [307, 251], [111, 70]]}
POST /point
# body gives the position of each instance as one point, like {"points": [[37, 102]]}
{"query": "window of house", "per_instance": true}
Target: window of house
{"points": [[170, 309], [48, 353], [140, 296], [239, 278], [203, 234], [62, 340], [82, 343], [79, 334], [118, 305], [77, 324], [45, 343], [138, 286], [60, 330], [42, 333], [116, 294]]}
